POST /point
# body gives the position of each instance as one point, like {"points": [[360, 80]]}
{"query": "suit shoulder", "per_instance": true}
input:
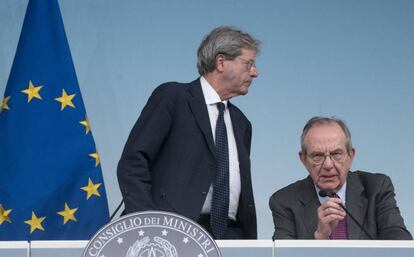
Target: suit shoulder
{"points": [[372, 182], [169, 92], [291, 190], [170, 88], [365, 176]]}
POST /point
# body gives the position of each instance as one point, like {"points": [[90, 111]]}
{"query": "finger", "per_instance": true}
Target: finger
{"points": [[331, 212], [333, 201], [333, 206], [332, 218]]}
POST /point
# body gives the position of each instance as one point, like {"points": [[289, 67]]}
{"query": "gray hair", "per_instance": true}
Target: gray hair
{"points": [[324, 121], [225, 40]]}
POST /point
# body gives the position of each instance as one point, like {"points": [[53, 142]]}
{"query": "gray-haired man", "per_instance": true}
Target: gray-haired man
{"points": [[303, 209], [171, 161]]}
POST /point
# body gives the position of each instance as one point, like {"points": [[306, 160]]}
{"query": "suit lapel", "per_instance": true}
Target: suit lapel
{"points": [[198, 107], [357, 205], [239, 125], [239, 129], [310, 205]]}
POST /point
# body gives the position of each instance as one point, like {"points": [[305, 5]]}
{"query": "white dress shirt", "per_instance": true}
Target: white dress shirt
{"points": [[212, 98]]}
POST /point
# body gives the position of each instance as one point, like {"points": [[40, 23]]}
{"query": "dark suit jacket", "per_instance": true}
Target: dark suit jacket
{"points": [[370, 199], [168, 162]]}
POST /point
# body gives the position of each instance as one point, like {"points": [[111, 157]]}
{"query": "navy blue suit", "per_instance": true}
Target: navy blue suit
{"points": [[168, 162]]}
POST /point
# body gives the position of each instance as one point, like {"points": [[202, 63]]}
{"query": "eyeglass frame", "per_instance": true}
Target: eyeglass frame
{"points": [[250, 64], [330, 154]]}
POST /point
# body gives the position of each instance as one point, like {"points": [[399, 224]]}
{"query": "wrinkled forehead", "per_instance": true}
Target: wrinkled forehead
{"points": [[325, 137]]}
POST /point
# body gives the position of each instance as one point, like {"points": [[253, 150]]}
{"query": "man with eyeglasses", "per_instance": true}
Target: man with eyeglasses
{"points": [[311, 208], [189, 151]]}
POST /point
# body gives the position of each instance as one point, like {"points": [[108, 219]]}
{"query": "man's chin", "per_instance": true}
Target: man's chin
{"points": [[329, 186], [244, 91]]}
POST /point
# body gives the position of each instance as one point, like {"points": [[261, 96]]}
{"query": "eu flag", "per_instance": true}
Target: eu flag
{"points": [[51, 185]]}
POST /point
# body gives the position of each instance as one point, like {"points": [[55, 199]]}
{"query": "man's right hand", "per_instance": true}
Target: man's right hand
{"points": [[329, 214]]}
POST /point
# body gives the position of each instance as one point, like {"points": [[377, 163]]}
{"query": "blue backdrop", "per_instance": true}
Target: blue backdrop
{"points": [[352, 59]]}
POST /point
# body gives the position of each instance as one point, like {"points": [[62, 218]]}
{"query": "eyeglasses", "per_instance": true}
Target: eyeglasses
{"points": [[249, 64], [319, 157]]}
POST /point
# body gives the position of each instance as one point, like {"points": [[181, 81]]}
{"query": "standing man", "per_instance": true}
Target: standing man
{"points": [[189, 151], [303, 211]]}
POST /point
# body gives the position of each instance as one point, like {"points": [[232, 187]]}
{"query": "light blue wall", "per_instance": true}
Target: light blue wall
{"points": [[352, 59]]}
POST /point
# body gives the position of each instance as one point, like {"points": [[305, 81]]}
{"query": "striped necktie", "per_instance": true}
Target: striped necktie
{"points": [[340, 232]]}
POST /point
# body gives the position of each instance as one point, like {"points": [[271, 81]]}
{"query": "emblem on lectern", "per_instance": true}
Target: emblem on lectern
{"points": [[152, 234]]}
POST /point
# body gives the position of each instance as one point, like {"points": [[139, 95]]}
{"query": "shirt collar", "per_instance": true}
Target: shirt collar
{"points": [[210, 95]]}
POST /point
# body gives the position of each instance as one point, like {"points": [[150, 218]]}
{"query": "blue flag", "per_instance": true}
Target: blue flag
{"points": [[51, 185]]}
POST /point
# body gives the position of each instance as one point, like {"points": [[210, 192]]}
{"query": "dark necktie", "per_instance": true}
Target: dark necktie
{"points": [[340, 232], [221, 188]]}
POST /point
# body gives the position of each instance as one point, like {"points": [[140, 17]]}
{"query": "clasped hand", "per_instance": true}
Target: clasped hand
{"points": [[329, 214]]}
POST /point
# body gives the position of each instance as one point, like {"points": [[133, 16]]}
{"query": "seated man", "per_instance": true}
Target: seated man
{"points": [[303, 209]]}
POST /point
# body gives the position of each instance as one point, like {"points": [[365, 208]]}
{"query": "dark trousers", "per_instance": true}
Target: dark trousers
{"points": [[234, 230]]}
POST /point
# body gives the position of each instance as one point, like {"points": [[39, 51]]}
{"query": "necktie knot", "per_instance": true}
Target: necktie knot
{"points": [[221, 106]]}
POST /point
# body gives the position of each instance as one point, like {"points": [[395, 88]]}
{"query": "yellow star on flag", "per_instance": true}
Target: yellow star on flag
{"points": [[86, 124], [35, 223], [32, 91], [96, 157], [4, 215], [4, 105], [92, 189], [68, 214], [65, 100]]}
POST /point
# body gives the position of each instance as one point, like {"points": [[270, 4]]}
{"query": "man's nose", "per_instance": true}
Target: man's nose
{"points": [[254, 72], [328, 163]]}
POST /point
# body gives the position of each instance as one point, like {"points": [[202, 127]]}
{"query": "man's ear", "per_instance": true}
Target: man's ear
{"points": [[302, 157], [220, 62], [352, 153]]}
